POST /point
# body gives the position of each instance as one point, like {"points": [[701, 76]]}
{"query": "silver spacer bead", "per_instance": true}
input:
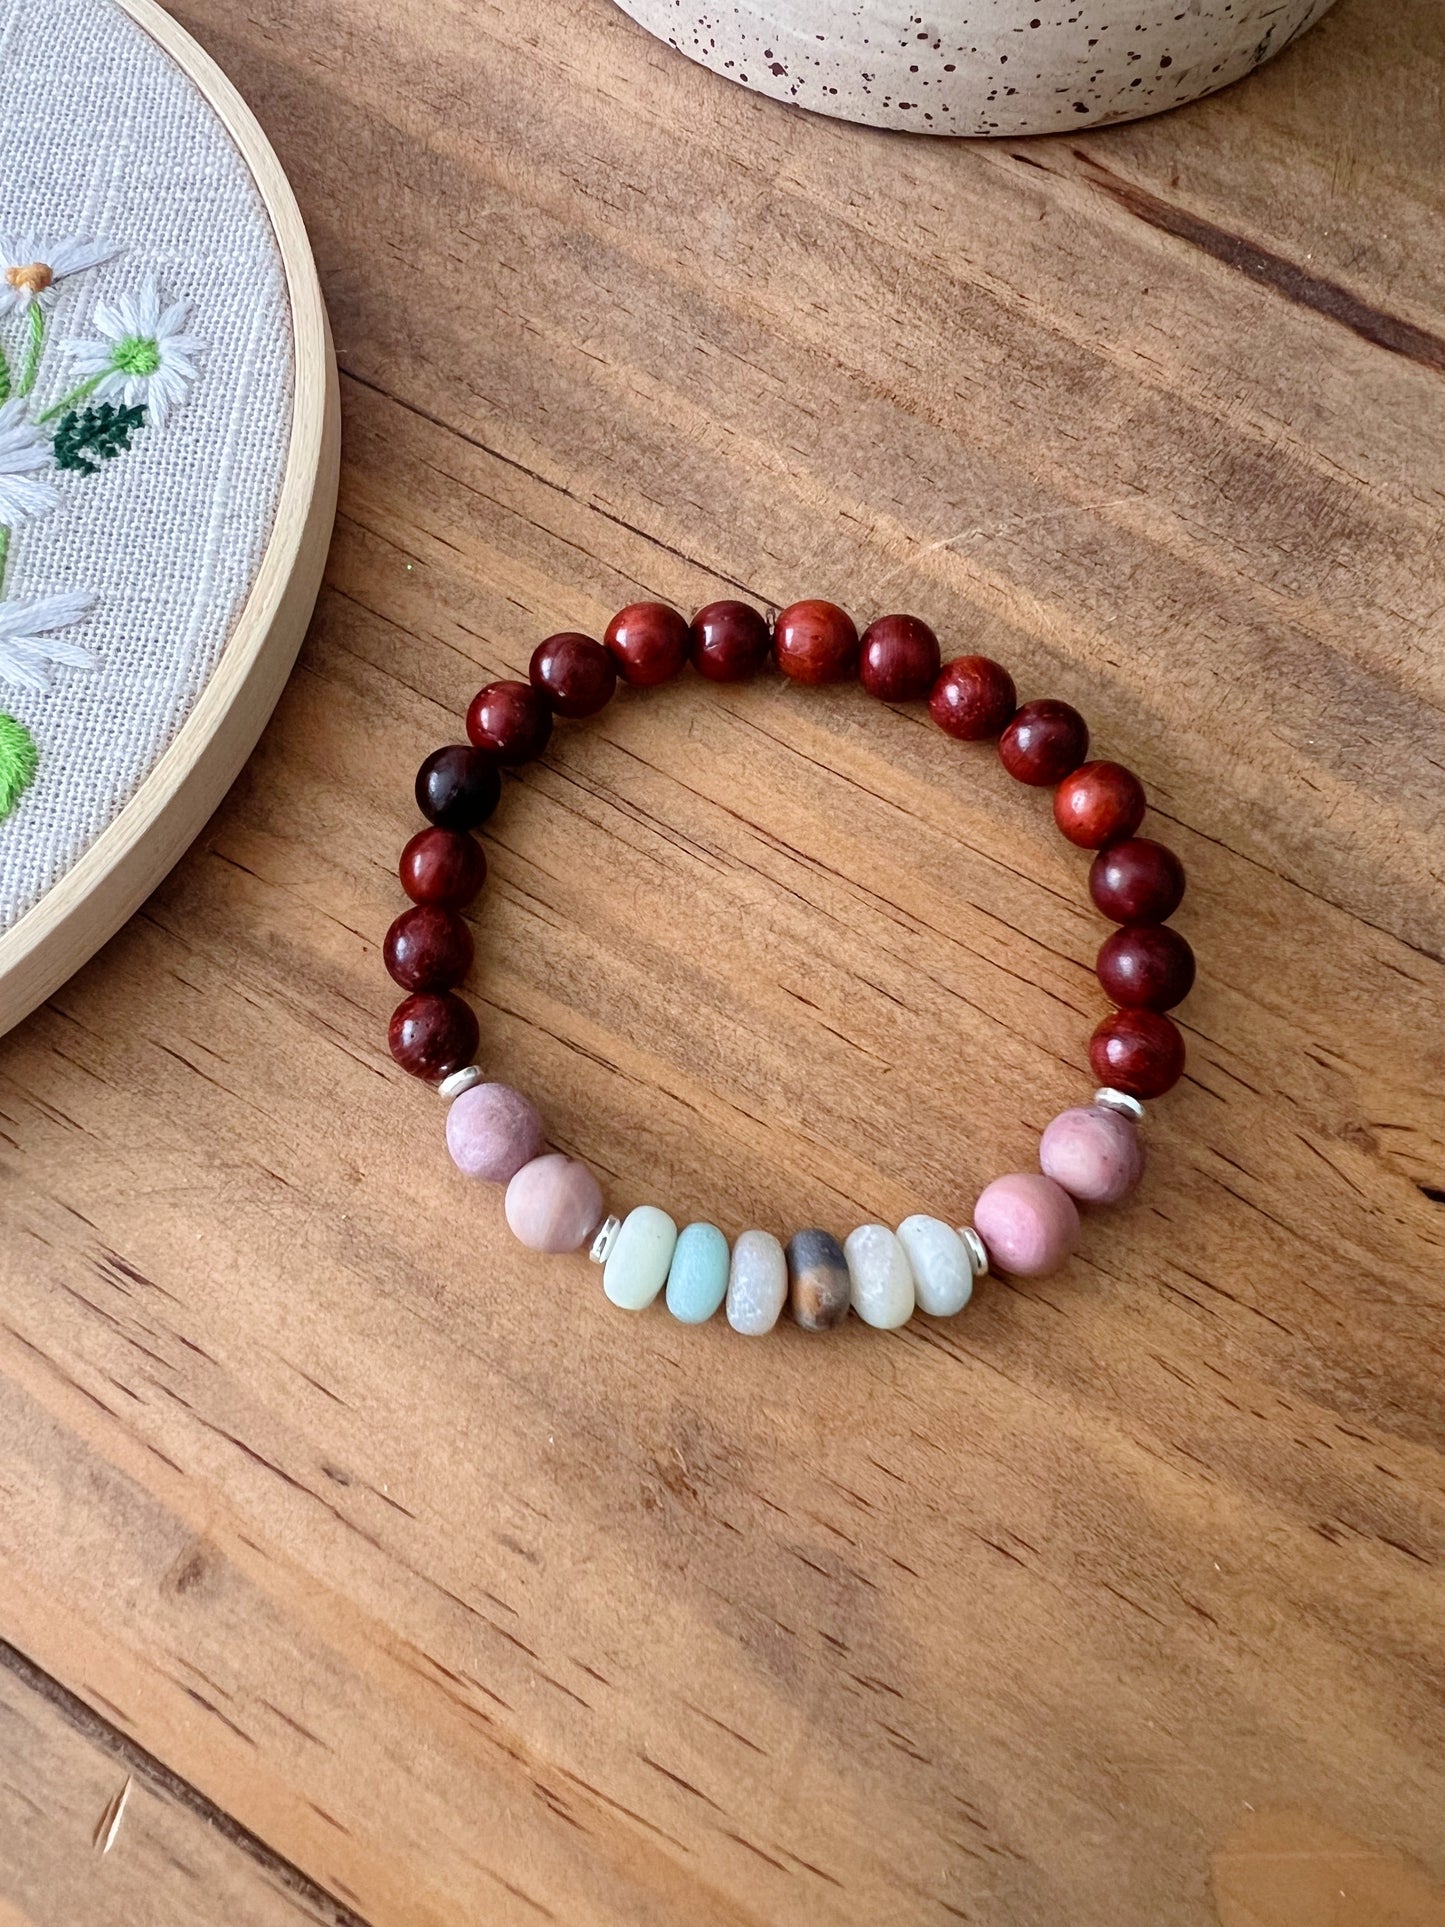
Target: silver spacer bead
{"points": [[976, 1249], [1120, 1101], [602, 1244], [458, 1082]]}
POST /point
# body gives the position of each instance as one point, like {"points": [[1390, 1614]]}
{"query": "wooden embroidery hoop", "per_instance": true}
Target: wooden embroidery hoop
{"points": [[148, 835]]}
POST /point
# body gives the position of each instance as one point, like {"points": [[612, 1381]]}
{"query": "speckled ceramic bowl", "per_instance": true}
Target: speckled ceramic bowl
{"points": [[980, 67]]}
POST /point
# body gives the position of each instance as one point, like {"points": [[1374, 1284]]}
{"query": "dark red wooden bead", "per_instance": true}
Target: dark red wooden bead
{"points": [[1137, 881], [648, 642], [899, 659], [1146, 966], [730, 641], [428, 948], [433, 1034], [511, 721], [815, 642], [458, 787], [574, 673], [445, 867], [1137, 1051], [974, 698], [1044, 742], [1099, 803]]}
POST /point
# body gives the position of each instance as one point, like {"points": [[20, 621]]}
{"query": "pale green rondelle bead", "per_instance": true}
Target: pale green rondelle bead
{"points": [[637, 1269], [942, 1270], [698, 1279], [880, 1277]]}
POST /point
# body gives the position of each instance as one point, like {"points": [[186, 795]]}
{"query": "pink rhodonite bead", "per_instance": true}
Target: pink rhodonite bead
{"points": [[492, 1131], [1094, 1153], [1029, 1223], [554, 1203]]}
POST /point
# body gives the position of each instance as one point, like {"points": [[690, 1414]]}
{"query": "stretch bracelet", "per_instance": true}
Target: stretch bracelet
{"points": [[1025, 1223]]}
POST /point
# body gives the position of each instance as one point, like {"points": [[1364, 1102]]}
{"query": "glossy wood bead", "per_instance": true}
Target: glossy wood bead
{"points": [[1099, 803], [428, 948], [815, 642], [574, 673], [458, 787], [1137, 881], [433, 1034], [444, 867], [899, 658], [648, 642], [1138, 1051], [1146, 966], [1044, 742], [730, 641], [819, 1288], [511, 721], [973, 699]]}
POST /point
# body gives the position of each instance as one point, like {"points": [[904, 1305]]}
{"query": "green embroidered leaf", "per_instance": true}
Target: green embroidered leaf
{"points": [[86, 437], [19, 760]]}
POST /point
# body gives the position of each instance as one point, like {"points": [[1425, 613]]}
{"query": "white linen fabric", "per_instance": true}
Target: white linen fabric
{"points": [[103, 137]]}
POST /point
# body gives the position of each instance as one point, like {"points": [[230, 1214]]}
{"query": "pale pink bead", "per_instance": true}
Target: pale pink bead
{"points": [[1029, 1224], [554, 1203], [1094, 1153], [492, 1131]]}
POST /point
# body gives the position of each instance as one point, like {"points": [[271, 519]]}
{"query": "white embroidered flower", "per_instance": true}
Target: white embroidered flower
{"points": [[30, 267], [25, 658], [22, 450], [142, 354]]}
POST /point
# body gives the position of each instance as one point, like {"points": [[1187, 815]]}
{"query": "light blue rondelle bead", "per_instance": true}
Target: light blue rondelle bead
{"points": [[698, 1280]]}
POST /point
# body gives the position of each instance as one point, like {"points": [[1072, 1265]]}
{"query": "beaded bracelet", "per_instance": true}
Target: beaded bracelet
{"points": [[1024, 1224]]}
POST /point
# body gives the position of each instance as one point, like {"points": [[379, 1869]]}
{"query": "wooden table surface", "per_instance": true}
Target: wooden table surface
{"points": [[402, 1579]]}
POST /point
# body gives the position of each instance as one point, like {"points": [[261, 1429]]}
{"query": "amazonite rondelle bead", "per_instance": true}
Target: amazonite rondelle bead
{"points": [[942, 1270], [880, 1278], [697, 1279], [757, 1284], [637, 1269]]}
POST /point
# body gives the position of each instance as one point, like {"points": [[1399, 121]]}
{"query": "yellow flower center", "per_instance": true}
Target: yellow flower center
{"points": [[35, 277]]}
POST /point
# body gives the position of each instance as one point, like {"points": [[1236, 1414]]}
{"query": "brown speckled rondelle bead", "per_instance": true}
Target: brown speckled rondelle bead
{"points": [[730, 641], [1099, 803], [428, 948], [818, 1283], [1044, 742], [445, 867], [1138, 1051], [511, 721], [574, 673], [899, 659], [648, 642], [815, 642], [973, 698], [433, 1034]]}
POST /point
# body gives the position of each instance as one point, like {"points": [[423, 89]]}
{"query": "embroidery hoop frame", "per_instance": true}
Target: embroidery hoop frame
{"points": [[148, 835]]}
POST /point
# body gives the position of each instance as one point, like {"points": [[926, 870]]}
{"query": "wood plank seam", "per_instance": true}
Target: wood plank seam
{"points": [[162, 1779]]}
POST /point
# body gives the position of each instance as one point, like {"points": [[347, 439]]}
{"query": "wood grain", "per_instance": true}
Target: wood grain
{"points": [[474, 1601]]}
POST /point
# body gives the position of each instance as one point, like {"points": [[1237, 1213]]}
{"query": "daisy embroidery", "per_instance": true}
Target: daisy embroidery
{"points": [[23, 450], [140, 354], [29, 648], [30, 268], [136, 365]]}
